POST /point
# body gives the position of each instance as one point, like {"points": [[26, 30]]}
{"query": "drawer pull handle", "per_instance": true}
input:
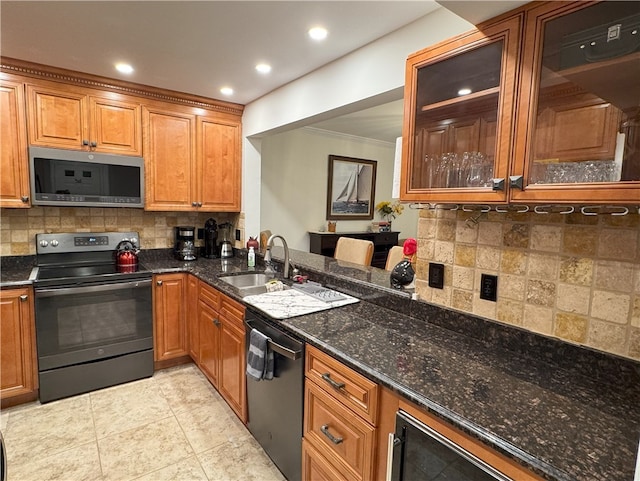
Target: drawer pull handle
{"points": [[325, 430], [327, 377]]}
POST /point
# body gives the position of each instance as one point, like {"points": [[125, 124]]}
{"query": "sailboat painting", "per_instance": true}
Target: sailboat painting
{"points": [[351, 188]]}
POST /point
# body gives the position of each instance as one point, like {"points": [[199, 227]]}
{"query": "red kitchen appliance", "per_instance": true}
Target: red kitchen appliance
{"points": [[126, 257]]}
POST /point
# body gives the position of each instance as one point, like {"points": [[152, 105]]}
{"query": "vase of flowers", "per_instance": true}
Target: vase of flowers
{"points": [[388, 211]]}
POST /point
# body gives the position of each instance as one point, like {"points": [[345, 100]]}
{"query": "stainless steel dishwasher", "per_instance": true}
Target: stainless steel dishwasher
{"points": [[275, 406]]}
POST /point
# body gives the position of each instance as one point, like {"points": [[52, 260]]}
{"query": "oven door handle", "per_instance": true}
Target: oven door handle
{"points": [[116, 286]]}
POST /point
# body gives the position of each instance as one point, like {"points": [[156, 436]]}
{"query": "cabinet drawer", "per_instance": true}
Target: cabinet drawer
{"points": [[387, 238], [316, 468], [347, 386], [232, 311], [345, 440], [209, 296]]}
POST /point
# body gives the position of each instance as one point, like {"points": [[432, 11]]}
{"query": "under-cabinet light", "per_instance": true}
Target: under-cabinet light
{"points": [[464, 91]]}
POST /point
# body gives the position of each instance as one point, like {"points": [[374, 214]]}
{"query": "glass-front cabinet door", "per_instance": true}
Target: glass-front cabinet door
{"points": [[578, 127], [459, 113]]}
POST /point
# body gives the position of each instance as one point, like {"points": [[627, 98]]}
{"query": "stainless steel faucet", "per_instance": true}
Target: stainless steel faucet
{"points": [[267, 255]]}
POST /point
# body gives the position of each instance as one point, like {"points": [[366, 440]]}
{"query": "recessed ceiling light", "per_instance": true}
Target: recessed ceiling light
{"points": [[124, 68], [464, 91], [263, 68], [318, 33], [226, 91]]}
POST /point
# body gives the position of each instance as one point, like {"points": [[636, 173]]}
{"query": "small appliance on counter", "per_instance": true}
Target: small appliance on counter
{"points": [[185, 247], [210, 249], [126, 254], [226, 249]]}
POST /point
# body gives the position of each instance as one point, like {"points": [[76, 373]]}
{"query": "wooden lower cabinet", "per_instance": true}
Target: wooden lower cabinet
{"points": [[192, 317], [315, 467], [221, 353], [232, 383], [169, 317], [340, 417], [18, 364], [344, 439]]}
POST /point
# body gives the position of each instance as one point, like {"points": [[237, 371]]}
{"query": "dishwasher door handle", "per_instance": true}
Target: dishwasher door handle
{"points": [[280, 349]]}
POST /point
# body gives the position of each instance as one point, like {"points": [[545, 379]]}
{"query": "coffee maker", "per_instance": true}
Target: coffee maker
{"points": [[185, 247], [210, 249]]}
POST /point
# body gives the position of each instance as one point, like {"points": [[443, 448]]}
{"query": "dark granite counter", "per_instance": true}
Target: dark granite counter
{"points": [[567, 412]]}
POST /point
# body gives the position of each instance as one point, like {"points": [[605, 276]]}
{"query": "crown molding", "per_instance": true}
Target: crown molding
{"points": [[45, 72]]}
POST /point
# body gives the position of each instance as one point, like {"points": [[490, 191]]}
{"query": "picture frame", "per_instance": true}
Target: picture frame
{"points": [[351, 188]]}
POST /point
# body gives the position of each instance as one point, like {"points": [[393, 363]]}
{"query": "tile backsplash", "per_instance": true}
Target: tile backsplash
{"points": [[18, 227], [574, 277]]}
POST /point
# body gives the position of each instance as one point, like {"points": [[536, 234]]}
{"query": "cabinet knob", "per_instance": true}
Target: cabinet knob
{"points": [[158, 283], [93, 144], [85, 142], [24, 297], [497, 184], [199, 204], [194, 204], [516, 181], [24, 199], [215, 321]]}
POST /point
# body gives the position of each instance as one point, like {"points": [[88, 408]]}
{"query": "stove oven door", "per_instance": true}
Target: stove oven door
{"points": [[83, 324]]}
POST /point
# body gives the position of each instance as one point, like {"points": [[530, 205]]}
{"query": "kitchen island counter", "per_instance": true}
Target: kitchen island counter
{"points": [[566, 412]]}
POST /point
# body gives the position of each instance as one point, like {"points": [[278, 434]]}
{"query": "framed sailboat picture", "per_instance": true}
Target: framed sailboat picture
{"points": [[351, 188]]}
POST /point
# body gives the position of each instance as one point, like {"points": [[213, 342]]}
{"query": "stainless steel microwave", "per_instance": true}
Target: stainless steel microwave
{"points": [[85, 179]]}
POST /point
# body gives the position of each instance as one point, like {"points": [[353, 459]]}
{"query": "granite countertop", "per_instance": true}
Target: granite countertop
{"points": [[569, 413]]}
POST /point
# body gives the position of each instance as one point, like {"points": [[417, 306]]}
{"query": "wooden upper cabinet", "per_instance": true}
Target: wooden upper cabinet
{"points": [[459, 112], [81, 119], [219, 164], [192, 162], [14, 170], [578, 128], [117, 126], [540, 105], [169, 159]]}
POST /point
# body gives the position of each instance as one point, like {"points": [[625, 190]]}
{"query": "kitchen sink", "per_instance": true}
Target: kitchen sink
{"points": [[250, 283]]}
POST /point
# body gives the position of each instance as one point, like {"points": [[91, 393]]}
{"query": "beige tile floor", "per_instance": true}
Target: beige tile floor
{"points": [[173, 426]]}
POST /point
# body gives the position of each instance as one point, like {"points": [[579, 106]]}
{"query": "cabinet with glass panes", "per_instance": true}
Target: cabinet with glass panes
{"points": [[569, 133], [578, 125]]}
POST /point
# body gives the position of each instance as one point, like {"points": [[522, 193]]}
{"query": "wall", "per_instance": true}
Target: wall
{"points": [[370, 76], [19, 226], [294, 183], [573, 277]]}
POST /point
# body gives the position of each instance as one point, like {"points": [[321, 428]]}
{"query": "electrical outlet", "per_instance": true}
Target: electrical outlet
{"points": [[489, 287], [436, 275], [237, 234]]}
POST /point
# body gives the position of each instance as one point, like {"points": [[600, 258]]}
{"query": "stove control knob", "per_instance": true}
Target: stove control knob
{"points": [[43, 243], [54, 243], [134, 241]]}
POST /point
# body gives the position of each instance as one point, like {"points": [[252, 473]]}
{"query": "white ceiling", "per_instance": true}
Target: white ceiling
{"points": [[199, 46]]}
